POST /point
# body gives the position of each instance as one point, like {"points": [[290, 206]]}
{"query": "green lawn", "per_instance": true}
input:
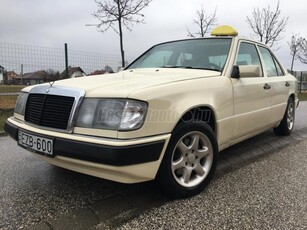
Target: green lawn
{"points": [[11, 88], [302, 96], [5, 114]]}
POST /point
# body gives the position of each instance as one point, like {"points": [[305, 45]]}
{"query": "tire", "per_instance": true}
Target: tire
{"points": [[190, 160], [287, 123]]}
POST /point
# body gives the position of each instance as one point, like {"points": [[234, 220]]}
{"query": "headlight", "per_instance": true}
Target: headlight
{"points": [[112, 114], [21, 103]]}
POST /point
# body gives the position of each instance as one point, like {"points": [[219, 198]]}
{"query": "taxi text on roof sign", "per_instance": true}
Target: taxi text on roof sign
{"points": [[224, 31]]}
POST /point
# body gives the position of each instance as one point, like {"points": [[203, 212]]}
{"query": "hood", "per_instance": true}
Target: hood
{"points": [[123, 83]]}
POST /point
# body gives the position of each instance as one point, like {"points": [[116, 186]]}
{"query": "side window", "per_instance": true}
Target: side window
{"points": [[269, 62], [248, 55], [278, 67]]}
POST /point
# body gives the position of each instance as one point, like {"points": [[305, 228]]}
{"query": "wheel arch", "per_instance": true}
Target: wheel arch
{"points": [[204, 113], [292, 96]]}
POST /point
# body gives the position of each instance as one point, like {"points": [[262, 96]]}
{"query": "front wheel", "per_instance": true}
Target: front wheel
{"points": [[287, 123], [190, 160]]}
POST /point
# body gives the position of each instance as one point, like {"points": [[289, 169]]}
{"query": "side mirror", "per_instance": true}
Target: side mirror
{"points": [[249, 71], [245, 71], [235, 72]]}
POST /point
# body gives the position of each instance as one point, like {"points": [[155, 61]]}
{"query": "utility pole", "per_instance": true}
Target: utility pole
{"points": [[21, 74], [66, 61]]}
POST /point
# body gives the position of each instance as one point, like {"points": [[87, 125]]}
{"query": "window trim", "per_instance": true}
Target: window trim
{"points": [[275, 61], [257, 50]]}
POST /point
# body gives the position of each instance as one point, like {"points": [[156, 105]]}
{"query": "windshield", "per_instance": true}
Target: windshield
{"points": [[208, 54]]}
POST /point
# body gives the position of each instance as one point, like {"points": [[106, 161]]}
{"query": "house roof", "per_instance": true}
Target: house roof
{"points": [[12, 75], [98, 72], [72, 70], [41, 74]]}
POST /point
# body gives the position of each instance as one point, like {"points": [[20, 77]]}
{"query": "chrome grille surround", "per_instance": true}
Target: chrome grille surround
{"points": [[56, 94]]}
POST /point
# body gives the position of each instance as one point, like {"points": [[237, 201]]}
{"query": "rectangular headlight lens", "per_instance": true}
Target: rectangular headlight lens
{"points": [[111, 114], [101, 113], [21, 103]]}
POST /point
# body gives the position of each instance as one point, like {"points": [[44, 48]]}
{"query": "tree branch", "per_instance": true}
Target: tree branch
{"points": [[267, 24], [204, 23]]}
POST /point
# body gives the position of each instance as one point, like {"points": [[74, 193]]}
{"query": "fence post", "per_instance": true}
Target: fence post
{"points": [[21, 74], [301, 81], [66, 61]]}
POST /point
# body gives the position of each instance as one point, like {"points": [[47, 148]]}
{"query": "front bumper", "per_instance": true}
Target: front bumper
{"points": [[127, 161]]}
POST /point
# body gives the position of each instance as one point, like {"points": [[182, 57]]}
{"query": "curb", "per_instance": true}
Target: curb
{"points": [[3, 134], [231, 160]]}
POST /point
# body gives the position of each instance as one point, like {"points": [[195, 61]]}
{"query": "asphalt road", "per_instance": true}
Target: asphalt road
{"points": [[260, 184]]}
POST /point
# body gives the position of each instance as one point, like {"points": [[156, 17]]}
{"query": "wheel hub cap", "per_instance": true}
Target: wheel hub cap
{"points": [[192, 159]]}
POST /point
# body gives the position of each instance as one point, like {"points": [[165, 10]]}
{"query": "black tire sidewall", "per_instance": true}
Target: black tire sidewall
{"points": [[283, 128], [165, 174]]}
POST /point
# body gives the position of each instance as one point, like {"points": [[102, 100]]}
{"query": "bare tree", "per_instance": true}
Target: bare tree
{"points": [[204, 22], [53, 75], [295, 47], [267, 25], [117, 14], [303, 51]]}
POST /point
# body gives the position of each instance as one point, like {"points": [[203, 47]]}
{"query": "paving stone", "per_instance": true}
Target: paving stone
{"points": [[223, 165], [266, 147], [234, 159], [248, 155], [257, 151], [297, 136]]}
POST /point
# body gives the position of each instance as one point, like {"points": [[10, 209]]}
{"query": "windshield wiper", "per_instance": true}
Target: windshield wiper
{"points": [[209, 69], [177, 66], [189, 67]]}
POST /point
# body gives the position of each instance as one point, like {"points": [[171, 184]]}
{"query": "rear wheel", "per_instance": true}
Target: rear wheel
{"points": [[190, 160], [287, 123]]}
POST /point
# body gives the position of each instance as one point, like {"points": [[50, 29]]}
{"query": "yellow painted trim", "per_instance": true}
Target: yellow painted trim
{"points": [[224, 31]]}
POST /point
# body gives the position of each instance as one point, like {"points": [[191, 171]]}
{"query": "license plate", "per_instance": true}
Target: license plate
{"points": [[35, 143]]}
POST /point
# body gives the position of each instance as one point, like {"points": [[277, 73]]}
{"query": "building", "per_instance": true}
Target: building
{"points": [[2, 72], [301, 77], [37, 77], [11, 75], [73, 72], [97, 72], [107, 69]]}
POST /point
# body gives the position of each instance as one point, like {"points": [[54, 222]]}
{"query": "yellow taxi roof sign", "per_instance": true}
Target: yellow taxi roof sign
{"points": [[224, 31]]}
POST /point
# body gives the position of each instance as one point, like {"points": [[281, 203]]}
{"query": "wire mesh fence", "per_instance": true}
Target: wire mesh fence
{"points": [[301, 77], [27, 64]]}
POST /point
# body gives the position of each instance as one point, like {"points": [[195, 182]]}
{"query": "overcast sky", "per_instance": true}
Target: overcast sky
{"points": [[52, 23]]}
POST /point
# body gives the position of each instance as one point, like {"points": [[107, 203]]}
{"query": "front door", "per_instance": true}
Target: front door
{"points": [[251, 95]]}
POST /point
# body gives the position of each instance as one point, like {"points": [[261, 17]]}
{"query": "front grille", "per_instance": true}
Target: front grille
{"points": [[50, 111]]}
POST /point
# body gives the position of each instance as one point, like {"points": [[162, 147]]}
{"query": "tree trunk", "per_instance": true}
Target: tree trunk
{"points": [[122, 52], [292, 63]]}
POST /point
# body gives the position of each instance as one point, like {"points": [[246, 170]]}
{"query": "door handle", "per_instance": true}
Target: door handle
{"points": [[287, 84], [267, 86]]}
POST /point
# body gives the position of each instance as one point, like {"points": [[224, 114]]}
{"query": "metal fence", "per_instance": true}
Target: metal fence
{"points": [[41, 64], [18, 60], [301, 77]]}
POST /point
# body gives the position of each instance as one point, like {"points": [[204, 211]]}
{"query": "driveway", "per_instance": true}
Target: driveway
{"points": [[260, 183]]}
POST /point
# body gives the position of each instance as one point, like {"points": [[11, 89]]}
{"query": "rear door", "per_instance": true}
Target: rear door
{"points": [[280, 85]]}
